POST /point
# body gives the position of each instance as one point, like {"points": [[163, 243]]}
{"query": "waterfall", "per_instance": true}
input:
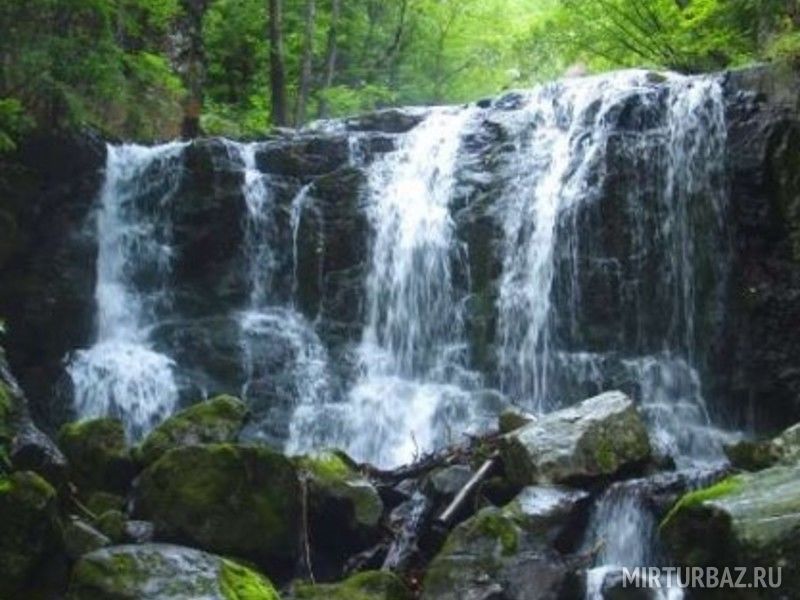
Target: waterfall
{"points": [[608, 197], [415, 390], [284, 361], [122, 375]]}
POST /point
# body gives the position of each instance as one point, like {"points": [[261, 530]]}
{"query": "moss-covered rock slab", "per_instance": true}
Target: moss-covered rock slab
{"points": [[597, 438], [750, 455], [236, 500], [217, 420], [81, 538], [746, 519], [29, 528], [164, 572], [98, 455], [507, 552], [370, 585]]}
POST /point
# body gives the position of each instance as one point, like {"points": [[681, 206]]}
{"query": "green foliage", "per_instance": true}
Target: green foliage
{"points": [[121, 65], [86, 61]]}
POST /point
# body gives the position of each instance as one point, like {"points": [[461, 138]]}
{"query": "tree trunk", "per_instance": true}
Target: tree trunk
{"points": [[190, 62], [277, 70], [304, 89], [330, 57]]}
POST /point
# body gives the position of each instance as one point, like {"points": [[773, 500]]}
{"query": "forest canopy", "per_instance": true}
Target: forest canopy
{"points": [[148, 69]]}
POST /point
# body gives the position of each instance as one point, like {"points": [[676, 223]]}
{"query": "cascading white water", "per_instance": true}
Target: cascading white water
{"points": [[122, 375], [273, 337], [414, 391]]}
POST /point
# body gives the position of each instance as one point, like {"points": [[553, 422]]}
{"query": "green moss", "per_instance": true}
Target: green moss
{"points": [[331, 474], [727, 486], [217, 420], [605, 455], [327, 466], [230, 499], [29, 528], [240, 583], [112, 524], [98, 455], [100, 502], [502, 529], [369, 585]]}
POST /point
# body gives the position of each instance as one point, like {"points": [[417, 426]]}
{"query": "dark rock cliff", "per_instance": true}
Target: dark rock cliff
{"points": [[47, 252]]}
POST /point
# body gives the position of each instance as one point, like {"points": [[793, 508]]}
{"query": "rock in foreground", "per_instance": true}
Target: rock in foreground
{"points": [[598, 437], [29, 528], [164, 572], [217, 420], [370, 585], [749, 519], [236, 500]]}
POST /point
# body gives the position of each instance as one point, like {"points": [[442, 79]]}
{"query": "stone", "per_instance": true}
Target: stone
{"points": [[746, 519], [750, 455], [112, 524], [386, 121], [597, 438], [508, 552], [236, 500], [81, 538], [446, 482], [98, 455], [217, 420], [100, 502], [344, 510], [332, 479], [32, 450], [139, 532], [164, 572], [29, 528], [512, 419], [369, 585]]}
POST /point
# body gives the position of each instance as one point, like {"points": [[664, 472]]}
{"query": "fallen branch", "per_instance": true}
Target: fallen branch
{"points": [[466, 492]]}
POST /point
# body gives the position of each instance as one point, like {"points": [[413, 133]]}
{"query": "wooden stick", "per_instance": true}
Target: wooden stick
{"points": [[447, 516]]}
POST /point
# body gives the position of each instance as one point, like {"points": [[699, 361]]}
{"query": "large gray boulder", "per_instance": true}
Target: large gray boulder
{"points": [[596, 438], [508, 552], [752, 519], [164, 572]]}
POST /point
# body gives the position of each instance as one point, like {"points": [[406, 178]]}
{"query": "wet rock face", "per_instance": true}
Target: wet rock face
{"points": [[763, 140], [47, 256]]}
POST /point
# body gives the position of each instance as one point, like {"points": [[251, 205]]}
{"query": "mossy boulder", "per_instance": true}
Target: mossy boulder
{"points": [[507, 552], [344, 510], [164, 572], [333, 481], [112, 523], [100, 502], [746, 519], [29, 528], [597, 438], [369, 585], [81, 538], [98, 455], [237, 500], [6, 427], [749, 455], [217, 420]]}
